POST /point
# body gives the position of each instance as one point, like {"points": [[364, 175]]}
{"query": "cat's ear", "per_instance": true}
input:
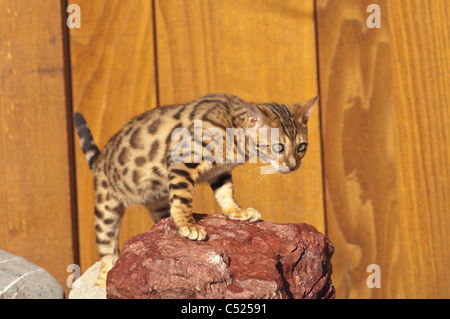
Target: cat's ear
{"points": [[258, 116], [303, 110]]}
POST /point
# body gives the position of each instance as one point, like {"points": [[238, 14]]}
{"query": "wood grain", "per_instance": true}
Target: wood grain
{"points": [[262, 51], [35, 187], [385, 123], [113, 79], [384, 112], [420, 61]]}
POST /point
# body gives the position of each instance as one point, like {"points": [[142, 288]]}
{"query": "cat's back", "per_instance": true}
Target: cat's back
{"points": [[151, 131], [218, 108]]}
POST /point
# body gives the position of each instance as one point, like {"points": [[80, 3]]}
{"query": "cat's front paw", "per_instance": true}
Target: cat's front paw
{"points": [[249, 214], [193, 232]]}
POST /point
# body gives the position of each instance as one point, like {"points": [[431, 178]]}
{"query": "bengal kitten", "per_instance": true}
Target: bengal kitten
{"points": [[137, 166]]}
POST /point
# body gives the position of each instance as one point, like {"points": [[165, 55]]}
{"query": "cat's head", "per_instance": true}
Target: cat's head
{"points": [[285, 151]]}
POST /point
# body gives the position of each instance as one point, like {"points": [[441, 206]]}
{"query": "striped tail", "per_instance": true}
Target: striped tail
{"points": [[90, 150]]}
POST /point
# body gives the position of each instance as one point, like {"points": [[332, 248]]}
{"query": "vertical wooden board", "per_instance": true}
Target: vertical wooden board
{"points": [[385, 120], [357, 117], [358, 142], [113, 79], [262, 51], [420, 46], [35, 184]]}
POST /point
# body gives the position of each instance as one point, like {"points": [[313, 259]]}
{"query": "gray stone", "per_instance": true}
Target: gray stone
{"points": [[84, 287], [21, 279]]}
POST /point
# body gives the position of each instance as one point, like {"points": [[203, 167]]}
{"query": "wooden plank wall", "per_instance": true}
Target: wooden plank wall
{"points": [[113, 79], [420, 62], [262, 51], [385, 118], [36, 180], [376, 177], [250, 54]]}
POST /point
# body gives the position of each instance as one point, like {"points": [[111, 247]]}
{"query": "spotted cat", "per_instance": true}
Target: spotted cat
{"points": [[139, 165]]}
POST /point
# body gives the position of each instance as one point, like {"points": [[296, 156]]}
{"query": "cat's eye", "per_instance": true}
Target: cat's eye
{"points": [[301, 147], [278, 148]]}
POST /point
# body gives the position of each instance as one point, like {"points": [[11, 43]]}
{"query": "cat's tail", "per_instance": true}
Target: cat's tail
{"points": [[90, 150]]}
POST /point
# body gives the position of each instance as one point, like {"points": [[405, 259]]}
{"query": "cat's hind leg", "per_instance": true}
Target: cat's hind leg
{"points": [[108, 214], [159, 209]]}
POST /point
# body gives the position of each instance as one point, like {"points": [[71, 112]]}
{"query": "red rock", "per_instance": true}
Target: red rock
{"points": [[239, 260]]}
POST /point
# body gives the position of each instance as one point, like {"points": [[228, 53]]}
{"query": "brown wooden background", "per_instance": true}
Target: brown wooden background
{"points": [[376, 178]]}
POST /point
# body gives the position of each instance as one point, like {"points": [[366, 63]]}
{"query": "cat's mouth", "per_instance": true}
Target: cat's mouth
{"points": [[276, 167], [284, 168]]}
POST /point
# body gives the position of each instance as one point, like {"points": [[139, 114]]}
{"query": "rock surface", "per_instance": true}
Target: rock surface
{"points": [[21, 279], [239, 260]]}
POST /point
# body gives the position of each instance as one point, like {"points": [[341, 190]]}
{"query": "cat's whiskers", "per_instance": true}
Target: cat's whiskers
{"points": [[259, 178], [270, 171], [251, 170]]}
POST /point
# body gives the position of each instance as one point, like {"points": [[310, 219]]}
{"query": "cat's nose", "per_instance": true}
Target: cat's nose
{"points": [[293, 167]]}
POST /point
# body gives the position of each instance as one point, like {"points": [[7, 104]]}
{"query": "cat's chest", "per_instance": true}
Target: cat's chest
{"points": [[216, 171]]}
